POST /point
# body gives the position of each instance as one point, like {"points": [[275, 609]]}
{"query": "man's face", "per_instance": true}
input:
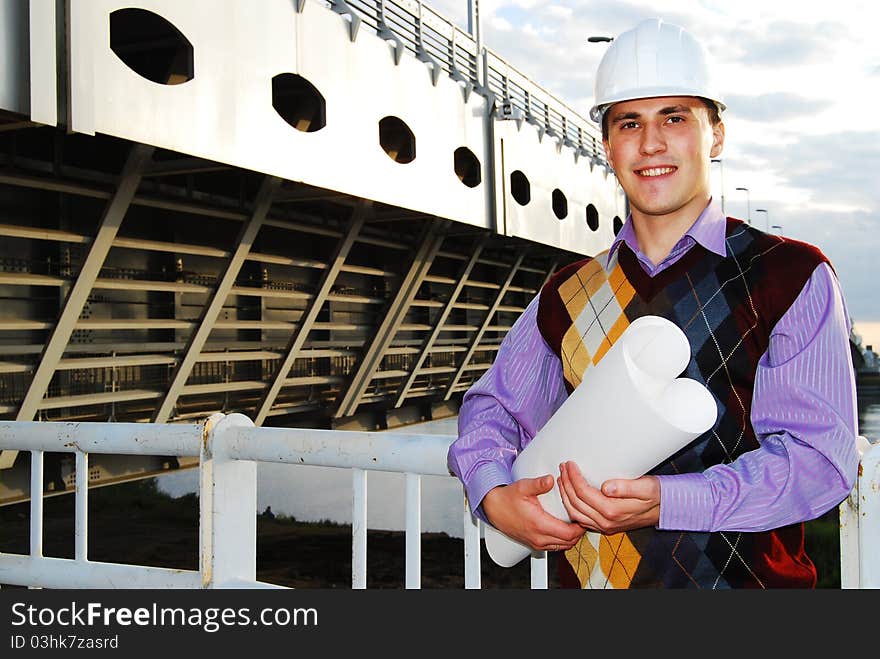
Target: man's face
{"points": [[661, 150]]}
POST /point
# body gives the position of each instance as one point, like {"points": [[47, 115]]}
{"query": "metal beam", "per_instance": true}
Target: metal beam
{"points": [[199, 337], [221, 210], [430, 242], [307, 320], [114, 213], [486, 322], [553, 265], [441, 319]]}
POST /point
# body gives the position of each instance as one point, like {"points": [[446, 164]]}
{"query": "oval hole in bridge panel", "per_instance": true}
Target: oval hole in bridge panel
{"points": [[618, 225], [560, 204], [151, 46], [520, 188], [298, 102], [592, 217], [397, 140], [467, 167]]}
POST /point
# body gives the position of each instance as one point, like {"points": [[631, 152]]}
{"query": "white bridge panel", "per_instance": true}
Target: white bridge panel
{"points": [[225, 112], [13, 56], [548, 165], [362, 85]]}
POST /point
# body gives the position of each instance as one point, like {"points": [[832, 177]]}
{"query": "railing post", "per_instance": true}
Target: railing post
{"points": [[848, 512], [471, 549], [849, 539], [869, 517], [37, 504], [538, 563], [359, 529], [81, 506], [413, 531], [228, 503]]}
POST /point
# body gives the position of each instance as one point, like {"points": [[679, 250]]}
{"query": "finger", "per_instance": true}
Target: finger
{"points": [[573, 509], [585, 515], [579, 486], [646, 488], [580, 492], [571, 500], [535, 486], [551, 543], [556, 531]]}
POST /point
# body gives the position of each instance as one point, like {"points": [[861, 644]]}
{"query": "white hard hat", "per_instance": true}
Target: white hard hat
{"points": [[654, 58]]}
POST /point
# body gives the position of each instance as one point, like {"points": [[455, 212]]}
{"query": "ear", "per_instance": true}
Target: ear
{"points": [[607, 147], [717, 139]]}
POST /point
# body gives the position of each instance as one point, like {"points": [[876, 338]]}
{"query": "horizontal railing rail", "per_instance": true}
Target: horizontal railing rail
{"points": [[229, 448]]}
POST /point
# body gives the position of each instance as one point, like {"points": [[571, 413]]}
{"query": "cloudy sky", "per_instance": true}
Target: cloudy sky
{"points": [[802, 85]]}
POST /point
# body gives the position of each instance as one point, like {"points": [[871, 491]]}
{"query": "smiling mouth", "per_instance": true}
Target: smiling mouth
{"points": [[654, 171]]}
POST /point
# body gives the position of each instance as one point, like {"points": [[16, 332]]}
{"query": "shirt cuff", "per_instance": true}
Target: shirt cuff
{"points": [[686, 503], [483, 478]]}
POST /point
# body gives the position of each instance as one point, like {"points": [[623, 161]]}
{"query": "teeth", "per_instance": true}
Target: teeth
{"points": [[656, 171]]}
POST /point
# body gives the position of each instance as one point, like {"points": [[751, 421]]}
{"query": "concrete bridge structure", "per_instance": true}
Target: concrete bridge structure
{"points": [[319, 214]]}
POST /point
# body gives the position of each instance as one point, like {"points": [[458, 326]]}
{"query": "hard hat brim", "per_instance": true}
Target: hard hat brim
{"points": [[598, 111]]}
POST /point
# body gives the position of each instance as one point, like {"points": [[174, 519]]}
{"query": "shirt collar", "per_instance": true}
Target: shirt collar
{"points": [[709, 230]]}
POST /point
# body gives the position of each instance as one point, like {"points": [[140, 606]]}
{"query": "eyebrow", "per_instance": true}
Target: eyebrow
{"points": [[674, 109], [629, 116]]}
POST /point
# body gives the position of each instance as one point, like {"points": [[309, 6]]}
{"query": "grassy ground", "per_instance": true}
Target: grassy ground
{"points": [[137, 524], [822, 539]]}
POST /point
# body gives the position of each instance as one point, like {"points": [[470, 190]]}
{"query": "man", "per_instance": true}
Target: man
{"points": [[768, 332]]}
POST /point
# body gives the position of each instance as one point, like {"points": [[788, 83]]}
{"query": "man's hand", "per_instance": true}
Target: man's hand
{"points": [[515, 511], [621, 505]]}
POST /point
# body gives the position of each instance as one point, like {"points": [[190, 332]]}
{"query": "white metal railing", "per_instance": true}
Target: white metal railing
{"points": [[82, 439], [422, 32], [229, 448]]}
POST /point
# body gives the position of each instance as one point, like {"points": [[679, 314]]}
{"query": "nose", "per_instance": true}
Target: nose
{"points": [[652, 139]]}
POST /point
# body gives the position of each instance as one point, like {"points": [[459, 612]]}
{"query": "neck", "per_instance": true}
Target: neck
{"points": [[657, 234]]}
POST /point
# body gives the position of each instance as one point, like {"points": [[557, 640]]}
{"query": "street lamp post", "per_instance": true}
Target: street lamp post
{"points": [[475, 25], [748, 204], [766, 216], [721, 162]]}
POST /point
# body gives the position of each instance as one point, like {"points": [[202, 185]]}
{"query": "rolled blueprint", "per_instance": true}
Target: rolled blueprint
{"points": [[630, 413]]}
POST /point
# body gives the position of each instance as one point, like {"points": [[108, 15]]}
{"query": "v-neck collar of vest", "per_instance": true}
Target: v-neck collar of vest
{"points": [[647, 286]]}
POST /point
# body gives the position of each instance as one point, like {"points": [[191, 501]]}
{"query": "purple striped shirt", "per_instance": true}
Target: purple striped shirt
{"points": [[803, 412]]}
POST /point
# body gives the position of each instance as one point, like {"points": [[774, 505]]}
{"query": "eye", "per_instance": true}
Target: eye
{"points": [[675, 119], [628, 124]]}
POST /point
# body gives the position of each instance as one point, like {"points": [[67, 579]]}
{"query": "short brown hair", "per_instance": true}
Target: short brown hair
{"points": [[711, 106]]}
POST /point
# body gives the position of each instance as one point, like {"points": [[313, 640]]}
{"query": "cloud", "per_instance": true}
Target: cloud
{"points": [[837, 168], [851, 243], [787, 43], [500, 24], [560, 11], [776, 106]]}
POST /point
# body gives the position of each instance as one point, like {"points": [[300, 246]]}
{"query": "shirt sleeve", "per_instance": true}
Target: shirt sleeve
{"points": [[505, 408], [805, 416]]}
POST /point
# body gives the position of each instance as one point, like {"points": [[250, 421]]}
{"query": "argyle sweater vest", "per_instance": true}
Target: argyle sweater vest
{"points": [[727, 307]]}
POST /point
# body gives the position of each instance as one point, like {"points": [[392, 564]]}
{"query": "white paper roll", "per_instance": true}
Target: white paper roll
{"points": [[629, 414]]}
